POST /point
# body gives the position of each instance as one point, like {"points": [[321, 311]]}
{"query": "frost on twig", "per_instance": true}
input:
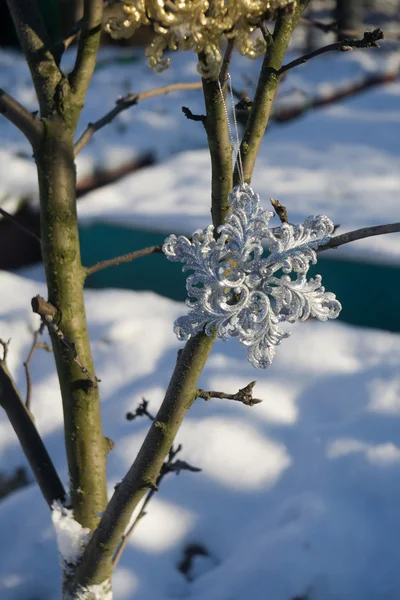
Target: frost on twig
{"points": [[235, 291]]}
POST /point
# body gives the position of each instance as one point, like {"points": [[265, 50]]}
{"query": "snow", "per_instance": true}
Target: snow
{"points": [[297, 495], [341, 160], [71, 536]]}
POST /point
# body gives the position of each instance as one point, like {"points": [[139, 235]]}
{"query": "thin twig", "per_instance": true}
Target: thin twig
{"points": [[284, 114], [118, 260], [191, 116], [360, 234], [48, 313], [13, 220], [334, 28], [35, 346], [369, 40], [26, 122], [244, 395], [126, 102]]}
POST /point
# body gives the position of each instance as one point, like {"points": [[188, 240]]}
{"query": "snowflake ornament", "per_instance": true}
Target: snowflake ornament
{"points": [[235, 291]]}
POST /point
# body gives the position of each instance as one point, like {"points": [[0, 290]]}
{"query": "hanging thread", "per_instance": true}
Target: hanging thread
{"points": [[234, 143]]}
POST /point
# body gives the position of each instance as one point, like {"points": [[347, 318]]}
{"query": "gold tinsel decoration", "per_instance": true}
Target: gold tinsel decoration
{"points": [[197, 25]]}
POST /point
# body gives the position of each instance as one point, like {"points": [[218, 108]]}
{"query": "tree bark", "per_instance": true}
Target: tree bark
{"points": [[85, 444]]}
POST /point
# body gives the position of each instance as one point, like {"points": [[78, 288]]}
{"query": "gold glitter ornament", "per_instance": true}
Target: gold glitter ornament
{"points": [[197, 25]]}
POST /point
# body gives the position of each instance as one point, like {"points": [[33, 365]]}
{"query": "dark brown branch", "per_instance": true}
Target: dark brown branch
{"points": [[26, 122], [126, 102], [334, 28], [7, 215], [27, 364], [244, 395], [118, 260], [28, 436], [369, 40], [360, 234], [192, 117], [282, 115]]}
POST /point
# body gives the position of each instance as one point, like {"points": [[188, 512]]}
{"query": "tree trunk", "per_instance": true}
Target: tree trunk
{"points": [[85, 444]]}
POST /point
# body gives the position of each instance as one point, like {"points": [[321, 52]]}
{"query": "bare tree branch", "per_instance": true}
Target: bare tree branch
{"points": [[28, 436], [244, 395], [333, 28], [369, 40], [284, 114], [118, 260], [267, 85], [360, 234], [87, 49], [126, 102], [26, 122]]}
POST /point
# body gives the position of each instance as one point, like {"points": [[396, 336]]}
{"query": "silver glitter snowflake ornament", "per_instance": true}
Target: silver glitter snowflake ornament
{"points": [[236, 292]]}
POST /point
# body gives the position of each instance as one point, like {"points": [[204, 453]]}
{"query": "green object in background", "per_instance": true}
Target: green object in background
{"points": [[51, 14], [357, 285]]}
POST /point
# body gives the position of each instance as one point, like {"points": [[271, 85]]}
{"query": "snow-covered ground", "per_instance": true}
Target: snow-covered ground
{"points": [[341, 161], [297, 495]]}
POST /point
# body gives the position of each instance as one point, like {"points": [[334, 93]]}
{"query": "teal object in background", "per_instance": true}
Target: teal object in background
{"points": [[358, 285]]}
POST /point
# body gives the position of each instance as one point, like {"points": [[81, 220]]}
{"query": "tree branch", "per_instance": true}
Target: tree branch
{"points": [[28, 436], [333, 28], [118, 260], [126, 102], [36, 45], [87, 49], [266, 89], [370, 39], [284, 114], [96, 563], [360, 234], [244, 395], [26, 122]]}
